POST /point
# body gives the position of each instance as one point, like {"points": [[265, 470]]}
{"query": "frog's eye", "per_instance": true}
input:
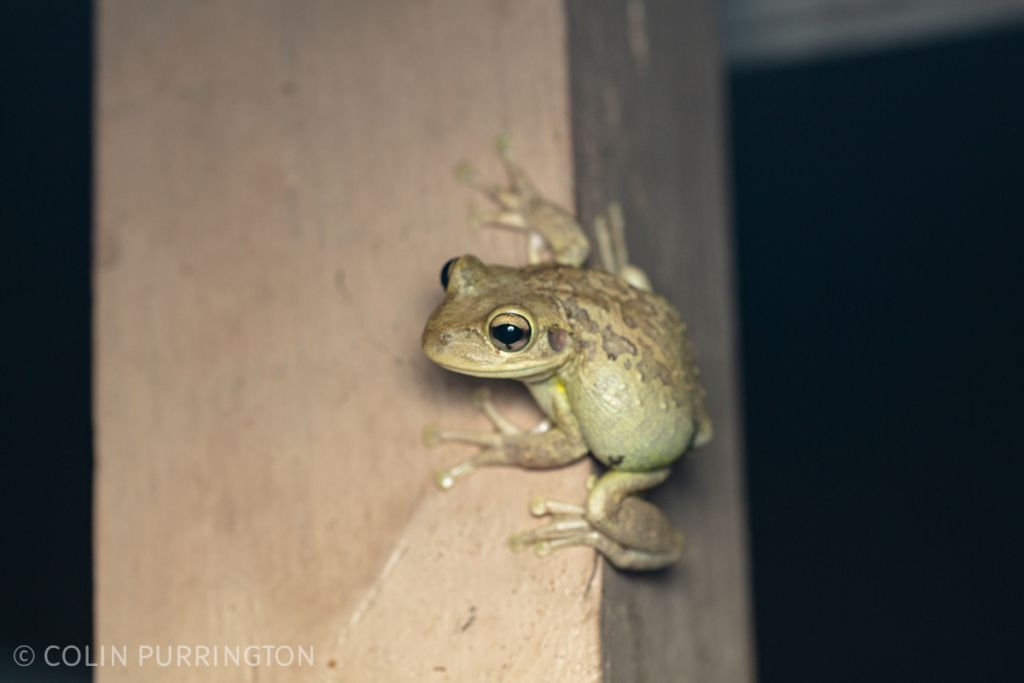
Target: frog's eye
{"points": [[446, 271], [509, 331]]}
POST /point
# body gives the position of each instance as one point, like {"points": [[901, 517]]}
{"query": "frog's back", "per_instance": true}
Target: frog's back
{"points": [[633, 384]]}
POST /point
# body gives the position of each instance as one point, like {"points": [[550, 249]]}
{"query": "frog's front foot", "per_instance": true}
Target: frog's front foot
{"points": [[492, 444], [542, 447], [495, 445], [629, 531]]}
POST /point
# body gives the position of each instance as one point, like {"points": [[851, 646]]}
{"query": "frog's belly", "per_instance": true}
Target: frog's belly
{"points": [[632, 431]]}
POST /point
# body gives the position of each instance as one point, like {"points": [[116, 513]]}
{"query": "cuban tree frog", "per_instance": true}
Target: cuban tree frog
{"points": [[606, 359]]}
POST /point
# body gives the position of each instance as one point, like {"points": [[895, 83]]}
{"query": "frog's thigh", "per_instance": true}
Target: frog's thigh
{"points": [[629, 521]]}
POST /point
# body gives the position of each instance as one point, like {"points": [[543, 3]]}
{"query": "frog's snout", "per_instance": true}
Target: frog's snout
{"points": [[436, 342]]}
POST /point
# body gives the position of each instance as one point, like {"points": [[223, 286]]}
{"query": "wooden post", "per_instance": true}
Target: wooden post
{"points": [[275, 200], [648, 121]]}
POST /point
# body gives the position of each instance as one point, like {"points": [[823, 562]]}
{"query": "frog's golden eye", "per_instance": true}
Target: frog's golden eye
{"points": [[510, 331], [446, 271]]}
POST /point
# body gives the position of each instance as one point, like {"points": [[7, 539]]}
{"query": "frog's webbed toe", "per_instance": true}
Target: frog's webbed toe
{"points": [[541, 447], [492, 443], [565, 531], [541, 507], [468, 174], [435, 436], [618, 554], [491, 453], [482, 400], [560, 528]]}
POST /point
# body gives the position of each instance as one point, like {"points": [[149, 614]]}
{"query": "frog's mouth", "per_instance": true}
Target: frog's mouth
{"points": [[494, 363], [521, 371]]}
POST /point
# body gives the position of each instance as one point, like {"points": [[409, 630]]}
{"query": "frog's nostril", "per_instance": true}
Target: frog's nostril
{"points": [[445, 338]]}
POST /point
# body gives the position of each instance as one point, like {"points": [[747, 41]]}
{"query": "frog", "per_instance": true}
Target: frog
{"points": [[607, 360]]}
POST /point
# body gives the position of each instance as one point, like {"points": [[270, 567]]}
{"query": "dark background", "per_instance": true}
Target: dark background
{"points": [[46, 445], [879, 209]]}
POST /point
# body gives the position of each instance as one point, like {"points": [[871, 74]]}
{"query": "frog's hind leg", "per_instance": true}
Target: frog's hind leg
{"points": [[510, 200], [518, 181], [629, 531], [554, 233], [617, 512], [610, 232], [530, 215], [508, 216]]}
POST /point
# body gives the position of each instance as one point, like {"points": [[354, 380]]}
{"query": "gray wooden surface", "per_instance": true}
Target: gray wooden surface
{"points": [[648, 125]]}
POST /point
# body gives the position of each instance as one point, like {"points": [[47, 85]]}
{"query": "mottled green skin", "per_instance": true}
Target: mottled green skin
{"points": [[626, 366]]}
